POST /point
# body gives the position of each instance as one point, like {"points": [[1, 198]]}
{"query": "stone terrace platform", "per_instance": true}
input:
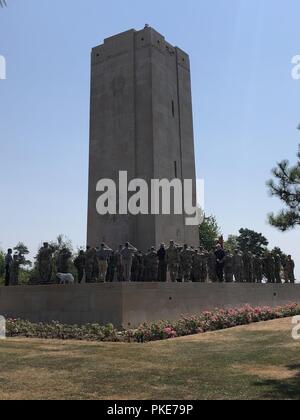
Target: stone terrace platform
{"points": [[129, 304]]}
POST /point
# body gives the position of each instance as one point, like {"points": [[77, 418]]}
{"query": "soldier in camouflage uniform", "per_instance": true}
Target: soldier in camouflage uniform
{"points": [[90, 265], [173, 261], [277, 260], [238, 266], [196, 267], [79, 264], [112, 266], [146, 266], [134, 269], [289, 270], [199, 266], [269, 267], [140, 266], [44, 259], [63, 261], [258, 268], [127, 255], [162, 265], [229, 268], [211, 264], [185, 264], [8, 260], [152, 265], [103, 256], [204, 268], [248, 267], [120, 271], [14, 270]]}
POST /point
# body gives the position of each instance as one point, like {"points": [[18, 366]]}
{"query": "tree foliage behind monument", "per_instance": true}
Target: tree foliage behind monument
{"points": [[209, 232], [22, 250], [286, 186], [251, 241], [231, 244]]}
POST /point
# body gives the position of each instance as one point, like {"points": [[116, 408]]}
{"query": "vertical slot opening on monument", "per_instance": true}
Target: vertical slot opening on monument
{"points": [[173, 109], [175, 169]]}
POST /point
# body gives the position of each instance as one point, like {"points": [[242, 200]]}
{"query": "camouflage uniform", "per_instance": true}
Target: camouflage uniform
{"points": [[185, 264], [111, 270], [8, 260], [127, 256], [120, 271], [140, 267], [289, 268], [14, 271], [248, 267], [229, 268], [134, 269], [269, 268], [152, 265], [199, 267], [63, 260], [162, 264], [79, 264], [258, 268], [238, 267], [173, 261], [277, 267], [103, 256], [211, 264], [146, 266], [45, 264], [90, 265]]}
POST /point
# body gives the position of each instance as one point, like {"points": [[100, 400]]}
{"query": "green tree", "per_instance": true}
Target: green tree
{"points": [[278, 251], [25, 264], [209, 232], [231, 244], [286, 186], [249, 240], [61, 242], [23, 251]]}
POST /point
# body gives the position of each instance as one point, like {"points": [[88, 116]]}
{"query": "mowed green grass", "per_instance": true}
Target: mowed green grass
{"points": [[260, 361]]}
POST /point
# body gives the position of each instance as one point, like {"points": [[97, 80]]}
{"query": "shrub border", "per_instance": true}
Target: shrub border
{"points": [[218, 319]]}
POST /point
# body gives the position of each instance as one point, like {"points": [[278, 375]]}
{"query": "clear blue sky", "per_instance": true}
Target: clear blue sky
{"points": [[246, 106]]}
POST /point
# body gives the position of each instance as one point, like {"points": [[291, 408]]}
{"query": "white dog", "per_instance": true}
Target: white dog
{"points": [[65, 278]]}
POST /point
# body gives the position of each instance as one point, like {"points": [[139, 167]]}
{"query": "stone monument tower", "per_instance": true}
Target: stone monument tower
{"points": [[141, 122]]}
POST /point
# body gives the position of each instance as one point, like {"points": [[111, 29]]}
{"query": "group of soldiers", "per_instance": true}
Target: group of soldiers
{"points": [[246, 267], [173, 263], [45, 257], [13, 262], [181, 264]]}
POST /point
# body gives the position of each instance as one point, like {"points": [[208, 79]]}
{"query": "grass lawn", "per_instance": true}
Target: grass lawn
{"points": [[260, 361]]}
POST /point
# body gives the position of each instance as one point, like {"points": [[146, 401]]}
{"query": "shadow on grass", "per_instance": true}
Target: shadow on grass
{"points": [[283, 389]]}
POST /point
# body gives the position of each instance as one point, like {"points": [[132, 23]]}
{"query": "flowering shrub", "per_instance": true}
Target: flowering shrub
{"points": [[211, 321], [162, 330]]}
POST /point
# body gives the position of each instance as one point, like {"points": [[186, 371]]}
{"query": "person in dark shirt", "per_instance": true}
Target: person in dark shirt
{"points": [[162, 264], [8, 261], [220, 262]]}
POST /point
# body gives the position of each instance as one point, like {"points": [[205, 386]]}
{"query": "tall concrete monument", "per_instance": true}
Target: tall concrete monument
{"points": [[142, 123]]}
